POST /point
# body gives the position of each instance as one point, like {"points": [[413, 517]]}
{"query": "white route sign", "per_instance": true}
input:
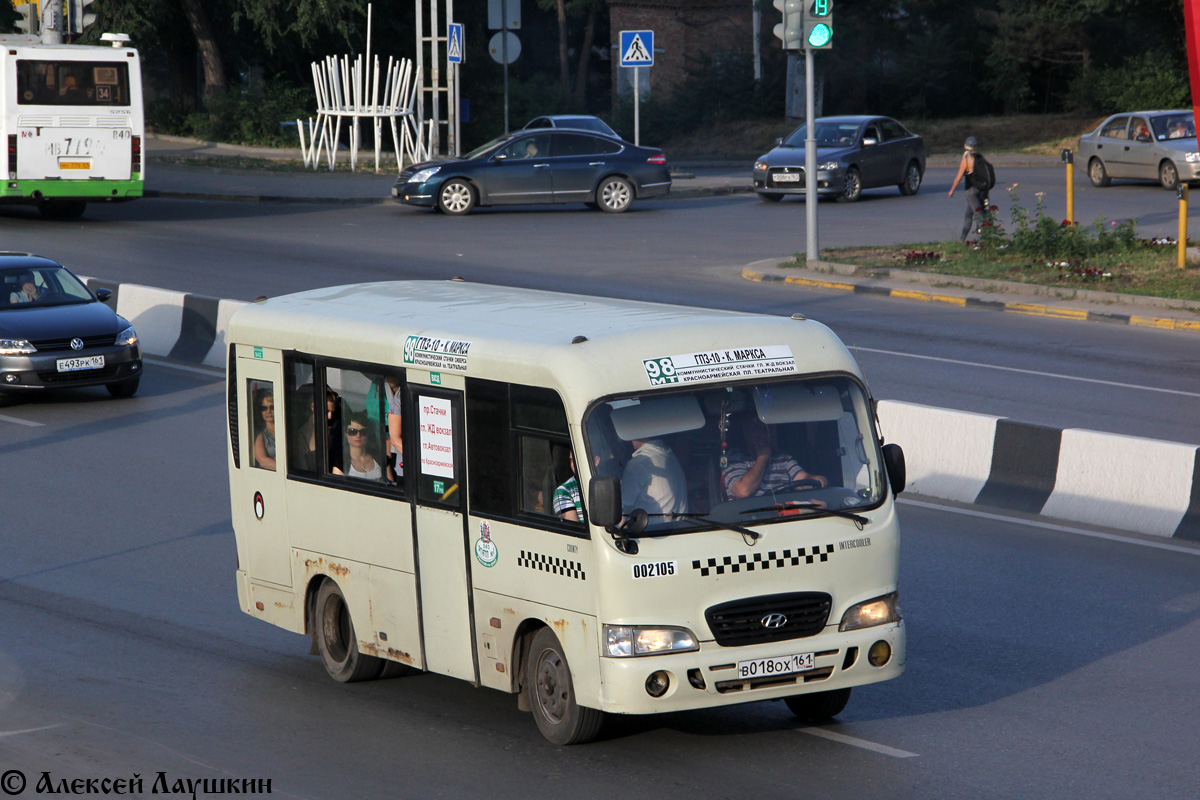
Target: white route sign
{"points": [[735, 362]]}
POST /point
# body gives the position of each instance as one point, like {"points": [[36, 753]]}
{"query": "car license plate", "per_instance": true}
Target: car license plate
{"points": [[74, 165], [780, 665], [76, 364], [787, 177]]}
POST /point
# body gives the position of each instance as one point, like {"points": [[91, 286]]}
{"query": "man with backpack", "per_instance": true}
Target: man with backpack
{"points": [[980, 179]]}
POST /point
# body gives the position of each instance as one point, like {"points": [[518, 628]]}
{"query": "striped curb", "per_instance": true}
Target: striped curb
{"points": [[1031, 309], [1125, 482]]}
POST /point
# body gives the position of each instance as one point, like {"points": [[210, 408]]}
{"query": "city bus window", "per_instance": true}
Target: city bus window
{"points": [[261, 395], [544, 468], [72, 83], [300, 404], [355, 417]]}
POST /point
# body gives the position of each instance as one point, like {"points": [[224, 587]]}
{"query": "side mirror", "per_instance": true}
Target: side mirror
{"points": [[604, 501], [893, 462], [779, 141], [500, 157], [869, 142], [103, 295]]}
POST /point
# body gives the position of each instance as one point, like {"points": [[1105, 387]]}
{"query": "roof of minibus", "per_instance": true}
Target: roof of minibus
{"points": [[524, 335]]}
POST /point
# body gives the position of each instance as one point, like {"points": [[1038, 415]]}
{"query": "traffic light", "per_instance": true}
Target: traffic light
{"points": [[79, 16], [791, 30], [818, 25], [28, 19]]}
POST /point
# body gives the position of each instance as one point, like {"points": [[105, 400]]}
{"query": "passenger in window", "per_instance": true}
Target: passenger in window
{"points": [[29, 292], [1178, 130], [264, 442], [360, 464], [302, 446], [568, 500], [333, 428], [653, 480], [395, 431], [755, 469]]}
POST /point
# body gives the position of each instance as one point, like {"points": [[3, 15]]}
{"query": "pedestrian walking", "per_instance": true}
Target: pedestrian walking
{"points": [[979, 179]]}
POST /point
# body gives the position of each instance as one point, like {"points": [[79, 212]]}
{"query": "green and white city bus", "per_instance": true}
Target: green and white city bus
{"points": [[72, 124], [599, 506]]}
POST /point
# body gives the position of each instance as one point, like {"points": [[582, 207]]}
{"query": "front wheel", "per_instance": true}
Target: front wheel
{"points": [[614, 195], [912, 179], [819, 706], [552, 694], [853, 188], [1168, 175], [1098, 174], [336, 640], [457, 197], [124, 388]]}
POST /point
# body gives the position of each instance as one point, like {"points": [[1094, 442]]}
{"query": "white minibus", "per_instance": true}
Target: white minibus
{"points": [[600, 506]]}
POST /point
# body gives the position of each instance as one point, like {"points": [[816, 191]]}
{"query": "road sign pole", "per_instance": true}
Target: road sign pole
{"points": [[637, 106], [813, 251], [504, 55]]}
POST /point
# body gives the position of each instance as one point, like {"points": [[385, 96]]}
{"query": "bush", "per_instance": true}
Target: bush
{"points": [[1155, 79], [238, 117]]}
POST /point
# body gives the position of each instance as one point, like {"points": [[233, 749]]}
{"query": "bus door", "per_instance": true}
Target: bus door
{"points": [[439, 511], [259, 496]]}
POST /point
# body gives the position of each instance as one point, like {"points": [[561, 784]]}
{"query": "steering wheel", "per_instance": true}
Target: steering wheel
{"points": [[803, 483]]}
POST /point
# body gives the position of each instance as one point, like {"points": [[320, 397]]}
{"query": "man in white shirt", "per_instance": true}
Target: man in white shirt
{"points": [[653, 480]]}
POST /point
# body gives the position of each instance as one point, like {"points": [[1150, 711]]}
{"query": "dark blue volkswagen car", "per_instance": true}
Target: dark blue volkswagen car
{"points": [[539, 166]]}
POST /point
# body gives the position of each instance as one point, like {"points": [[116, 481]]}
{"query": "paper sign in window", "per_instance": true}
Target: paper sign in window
{"points": [[437, 437]]}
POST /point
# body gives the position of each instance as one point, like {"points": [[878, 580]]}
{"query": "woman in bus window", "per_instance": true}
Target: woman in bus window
{"points": [[360, 463], [264, 442]]}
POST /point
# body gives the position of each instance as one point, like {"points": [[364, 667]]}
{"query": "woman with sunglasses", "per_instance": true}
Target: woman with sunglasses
{"points": [[264, 442], [361, 463]]}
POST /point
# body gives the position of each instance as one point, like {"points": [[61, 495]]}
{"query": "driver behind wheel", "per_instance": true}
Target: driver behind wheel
{"points": [[755, 469]]}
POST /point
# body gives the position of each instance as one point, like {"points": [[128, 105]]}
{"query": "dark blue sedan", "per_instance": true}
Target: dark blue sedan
{"points": [[539, 166]]}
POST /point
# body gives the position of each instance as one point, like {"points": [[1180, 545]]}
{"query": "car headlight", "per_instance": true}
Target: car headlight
{"points": [[16, 347], [1191, 157], [625, 642], [424, 175], [760, 166], [829, 165], [879, 611], [127, 338]]}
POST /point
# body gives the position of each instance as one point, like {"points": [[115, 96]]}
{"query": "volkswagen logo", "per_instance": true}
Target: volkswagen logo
{"points": [[774, 620], [77, 343]]}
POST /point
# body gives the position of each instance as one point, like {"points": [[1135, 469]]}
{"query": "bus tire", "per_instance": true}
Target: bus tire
{"points": [[818, 706], [336, 640], [62, 209], [552, 694]]}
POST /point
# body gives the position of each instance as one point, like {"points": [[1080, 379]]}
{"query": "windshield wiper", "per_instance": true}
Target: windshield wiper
{"points": [[700, 519], [814, 511]]}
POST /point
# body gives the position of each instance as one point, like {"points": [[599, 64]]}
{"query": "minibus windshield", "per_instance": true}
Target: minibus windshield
{"points": [[741, 455]]}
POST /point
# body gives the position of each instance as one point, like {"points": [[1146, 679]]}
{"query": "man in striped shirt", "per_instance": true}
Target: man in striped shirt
{"points": [[756, 470]]}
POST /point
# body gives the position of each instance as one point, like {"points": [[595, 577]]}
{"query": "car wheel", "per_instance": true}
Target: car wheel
{"points": [[457, 197], [853, 188], [1098, 173], [124, 388], [614, 195], [552, 694], [912, 179], [62, 209], [336, 640], [819, 706], [1168, 175], [770, 197]]}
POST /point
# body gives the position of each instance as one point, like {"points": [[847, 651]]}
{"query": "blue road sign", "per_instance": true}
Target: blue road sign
{"points": [[637, 48], [454, 43]]}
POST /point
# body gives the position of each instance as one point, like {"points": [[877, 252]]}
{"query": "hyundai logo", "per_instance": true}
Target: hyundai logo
{"points": [[77, 343], [774, 620]]}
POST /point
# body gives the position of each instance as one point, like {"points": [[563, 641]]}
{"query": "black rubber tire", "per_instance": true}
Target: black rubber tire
{"points": [[552, 694], [819, 706], [770, 197], [1098, 174], [614, 195], [593, 206], [62, 209], [124, 388], [1168, 175], [912, 179], [853, 188], [456, 197], [336, 640]]}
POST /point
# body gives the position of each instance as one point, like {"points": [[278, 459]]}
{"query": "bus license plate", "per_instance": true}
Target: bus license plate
{"points": [[76, 364], [74, 165], [786, 177], [781, 665]]}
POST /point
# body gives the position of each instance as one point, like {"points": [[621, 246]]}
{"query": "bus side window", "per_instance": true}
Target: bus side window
{"points": [[300, 402], [261, 396], [355, 421]]}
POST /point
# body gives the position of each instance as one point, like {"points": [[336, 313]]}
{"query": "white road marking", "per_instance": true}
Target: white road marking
{"points": [[212, 372], [29, 730], [842, 738], [19, 421], [1033, 523], [1031, 372]]}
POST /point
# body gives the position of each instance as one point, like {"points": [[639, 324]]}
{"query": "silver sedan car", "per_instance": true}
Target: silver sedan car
{"points": [[1143, 145]]}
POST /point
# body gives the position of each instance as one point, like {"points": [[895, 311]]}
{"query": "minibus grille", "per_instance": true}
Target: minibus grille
{"points": [[769, 618]]}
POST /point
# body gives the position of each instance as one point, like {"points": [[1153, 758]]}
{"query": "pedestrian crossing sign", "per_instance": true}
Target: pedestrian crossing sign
{"points": [[454, 42], [637, 48]]}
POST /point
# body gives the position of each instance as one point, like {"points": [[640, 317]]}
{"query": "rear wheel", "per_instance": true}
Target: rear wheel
{"points": [[1168, 175], [912, 179], [819, 706], [336, 640], [62, 209], [552, 694], [853, 188], [770, 197], [124, 388], [614, 195], [1098, 174], [457, 197]]}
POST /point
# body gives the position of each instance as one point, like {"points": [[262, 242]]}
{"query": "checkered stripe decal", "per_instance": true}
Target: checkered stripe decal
{"points": [[551, 564], [761, 561]]}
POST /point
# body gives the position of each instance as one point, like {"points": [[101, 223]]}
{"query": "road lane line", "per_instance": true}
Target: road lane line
{"points": [[30, 730], [1030, 372], [19, 421], [842, 738], [1033, 523], [212, 372]]}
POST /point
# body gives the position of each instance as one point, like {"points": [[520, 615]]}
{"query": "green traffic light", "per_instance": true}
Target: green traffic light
{"points": [[820, 35]]}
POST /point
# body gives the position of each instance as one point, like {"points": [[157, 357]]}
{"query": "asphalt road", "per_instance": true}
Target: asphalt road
{"points": [[1042, 663]]}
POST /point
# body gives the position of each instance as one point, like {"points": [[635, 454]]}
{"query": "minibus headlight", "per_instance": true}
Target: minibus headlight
{"points": [[624, 642], [16, 347], [127, 337], [879, 611]]}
